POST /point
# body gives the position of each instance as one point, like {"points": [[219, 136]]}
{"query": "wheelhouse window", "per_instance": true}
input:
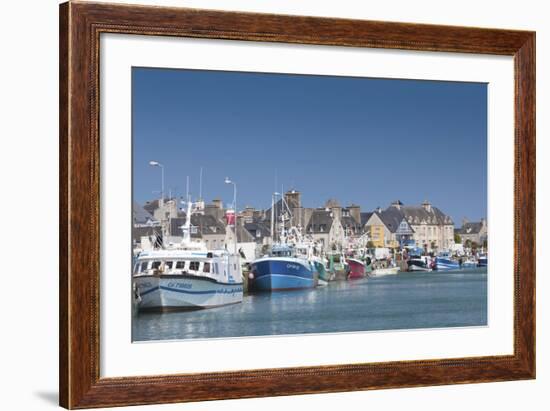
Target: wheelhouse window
{"points": [[180, 265], [143, 267], [194, 265], [206, 267], [155, 265]]}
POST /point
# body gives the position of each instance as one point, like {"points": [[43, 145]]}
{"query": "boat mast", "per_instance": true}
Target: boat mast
{"points": [[272, 217], [186, 228]]}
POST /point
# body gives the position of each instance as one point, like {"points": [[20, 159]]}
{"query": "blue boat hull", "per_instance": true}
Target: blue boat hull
{"points": [[445, 264], [274, 274]]}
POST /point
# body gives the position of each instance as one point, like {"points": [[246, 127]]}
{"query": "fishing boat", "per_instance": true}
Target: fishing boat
{"points": [[419, 263], [281, 270], [444, 262], [482, 260], [469, 263], [356, 269], [287, 267], [321, 268], [338, 266], [383, 263], [187, 276], [307, 249], [379, 272]]}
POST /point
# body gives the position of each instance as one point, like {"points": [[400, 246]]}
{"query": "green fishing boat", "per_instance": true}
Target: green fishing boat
{"points": [[338, 267], [321, 269]]}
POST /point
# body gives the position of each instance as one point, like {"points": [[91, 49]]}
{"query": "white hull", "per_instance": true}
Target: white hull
{"points": [[385, 271], [185, 292], [417, 268]]}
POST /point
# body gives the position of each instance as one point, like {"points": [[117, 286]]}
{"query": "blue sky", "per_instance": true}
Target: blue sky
{"points": [[360, 140]]}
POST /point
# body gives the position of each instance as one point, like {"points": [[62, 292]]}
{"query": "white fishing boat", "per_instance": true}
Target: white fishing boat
{"points": [[187, 276], [420, 263], [379, 272]]}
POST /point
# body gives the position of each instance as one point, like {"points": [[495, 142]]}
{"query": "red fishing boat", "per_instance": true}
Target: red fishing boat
{"points": [[356, 269]]}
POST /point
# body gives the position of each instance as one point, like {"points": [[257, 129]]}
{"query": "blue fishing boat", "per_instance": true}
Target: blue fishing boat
{"points": [[446, 264], [482, 260], [282, 270], [469, 263]]}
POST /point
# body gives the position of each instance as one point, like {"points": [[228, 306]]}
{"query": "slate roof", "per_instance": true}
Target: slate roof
{"points": [[206, 224], [414, 215], [140, 215], [278, 208], [256, 227], [144, 231], [244, 236], [349, 222], [391, 217], [470, 228], [320, 222], [151, 206], [417, 214], [365, 217]]}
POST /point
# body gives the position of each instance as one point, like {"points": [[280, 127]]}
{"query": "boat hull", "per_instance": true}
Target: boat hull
{"points": [[356, 269], [276, 274], [322, 271], [379, 272], [184, 292], [418, 268], [446, 264]]}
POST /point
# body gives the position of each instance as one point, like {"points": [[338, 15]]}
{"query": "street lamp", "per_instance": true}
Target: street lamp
{"points": [[157, 164], [228, 181]]}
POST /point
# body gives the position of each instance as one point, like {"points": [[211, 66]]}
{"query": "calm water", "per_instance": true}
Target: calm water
{"points": [[403, 301]]}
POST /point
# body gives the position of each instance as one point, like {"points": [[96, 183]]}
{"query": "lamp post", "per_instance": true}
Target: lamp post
{"points": [[228, 181], [157, 164]]}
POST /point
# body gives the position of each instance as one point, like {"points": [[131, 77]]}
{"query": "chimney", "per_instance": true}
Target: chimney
{"points": [[397, 204], [426, 205], [464, 221], [293, 199], [334, 206], [355, 212], [218, 203]]}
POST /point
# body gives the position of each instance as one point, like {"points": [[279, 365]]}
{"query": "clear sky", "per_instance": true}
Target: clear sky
{"points": [[359, 140]]}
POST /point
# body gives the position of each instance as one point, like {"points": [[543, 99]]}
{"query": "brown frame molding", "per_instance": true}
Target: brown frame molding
{"points": [[80, 27]]}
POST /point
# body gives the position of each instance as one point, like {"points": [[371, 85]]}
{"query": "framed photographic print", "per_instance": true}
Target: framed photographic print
{"points": [[260, 205]]}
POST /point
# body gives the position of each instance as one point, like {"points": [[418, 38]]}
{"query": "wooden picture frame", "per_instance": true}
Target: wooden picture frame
{"points": [[80, 27]]}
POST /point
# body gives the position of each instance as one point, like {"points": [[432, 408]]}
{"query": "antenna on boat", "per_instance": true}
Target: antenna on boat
{"points": [[200, 185]]}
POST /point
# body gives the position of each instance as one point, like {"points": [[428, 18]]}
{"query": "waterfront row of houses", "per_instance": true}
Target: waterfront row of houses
{"points": [[396, 226]]}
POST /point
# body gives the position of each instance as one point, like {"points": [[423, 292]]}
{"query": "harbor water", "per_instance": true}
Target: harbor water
{"points": [[394, 302]]}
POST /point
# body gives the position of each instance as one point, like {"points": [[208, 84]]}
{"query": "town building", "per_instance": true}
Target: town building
{"points": [[331, 226], [399, 225], [473, 232]]}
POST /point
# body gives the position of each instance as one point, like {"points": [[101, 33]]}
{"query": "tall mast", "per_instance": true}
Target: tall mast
{"points": [[186, 228], [200, 185], [272, 217]]}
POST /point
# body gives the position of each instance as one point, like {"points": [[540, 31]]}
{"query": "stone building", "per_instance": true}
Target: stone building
{"points": [[475, 231], [424, 226], [325, 228]]}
